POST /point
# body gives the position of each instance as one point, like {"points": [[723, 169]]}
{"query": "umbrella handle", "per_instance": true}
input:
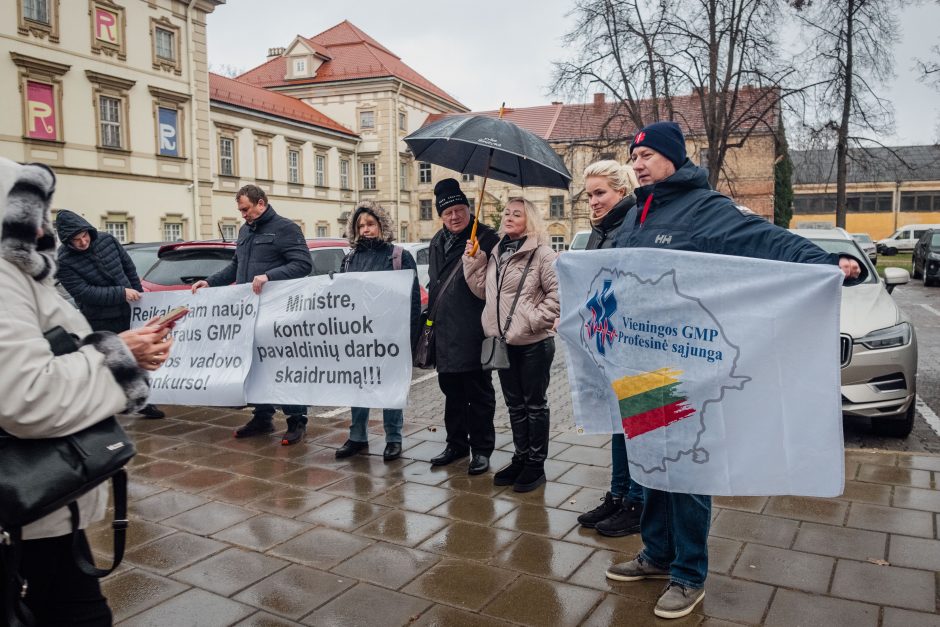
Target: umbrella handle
{"points": [[473, 231]]}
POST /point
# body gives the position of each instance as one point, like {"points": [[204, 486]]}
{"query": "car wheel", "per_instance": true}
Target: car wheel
{"points": [[914, 273], [895, 427], [891, 251], [927, 281]]}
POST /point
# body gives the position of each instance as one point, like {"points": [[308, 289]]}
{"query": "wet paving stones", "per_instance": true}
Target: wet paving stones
{"points": [[247, 532]]}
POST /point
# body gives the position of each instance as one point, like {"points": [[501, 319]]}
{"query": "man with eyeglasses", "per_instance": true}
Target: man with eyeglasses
{"points": [[269, 248]]}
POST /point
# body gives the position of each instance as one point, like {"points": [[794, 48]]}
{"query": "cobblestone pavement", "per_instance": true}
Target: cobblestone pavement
{"points": [[229, 532]]}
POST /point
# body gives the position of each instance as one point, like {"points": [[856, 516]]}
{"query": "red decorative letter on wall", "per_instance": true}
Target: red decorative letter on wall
{"points": [[40, 111]]}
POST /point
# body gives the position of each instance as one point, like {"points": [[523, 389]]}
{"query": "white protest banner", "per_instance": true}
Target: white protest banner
{"points": [[723, 372], [211, 354], [340, 341]]}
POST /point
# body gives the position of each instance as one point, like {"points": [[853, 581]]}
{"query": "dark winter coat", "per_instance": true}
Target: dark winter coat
{"points": [[458, 331], [686, 214], [602, 232], [97, 276], [271, 245]]}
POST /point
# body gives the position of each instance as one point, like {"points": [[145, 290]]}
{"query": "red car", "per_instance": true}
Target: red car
{"points": [[183, 263]]}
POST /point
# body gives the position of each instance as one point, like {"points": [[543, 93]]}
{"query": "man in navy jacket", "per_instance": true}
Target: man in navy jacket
{"points": [[676, 209], [269, 248]]}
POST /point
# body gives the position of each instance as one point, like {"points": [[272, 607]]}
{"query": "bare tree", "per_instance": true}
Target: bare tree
{"points": [[850, 58], [644, 52]]}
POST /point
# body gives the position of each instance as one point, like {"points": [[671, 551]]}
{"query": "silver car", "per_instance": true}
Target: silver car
{"points": [[879, 345], [867, 245]]}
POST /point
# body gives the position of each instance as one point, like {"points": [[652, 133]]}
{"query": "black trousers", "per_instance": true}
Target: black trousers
{"points": [[115, 325], [525, 387], [59, 594], [266, 412], [469, 406]]}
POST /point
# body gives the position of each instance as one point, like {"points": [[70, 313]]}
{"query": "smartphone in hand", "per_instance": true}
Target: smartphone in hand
{"points": [[171, 316]]}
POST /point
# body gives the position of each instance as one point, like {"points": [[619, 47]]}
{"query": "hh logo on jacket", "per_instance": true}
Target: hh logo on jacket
{"points": [[662, 238]]}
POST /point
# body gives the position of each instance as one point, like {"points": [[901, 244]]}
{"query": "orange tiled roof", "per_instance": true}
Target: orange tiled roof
{"points": [[352, 55], [241, 94], [574, 122]]}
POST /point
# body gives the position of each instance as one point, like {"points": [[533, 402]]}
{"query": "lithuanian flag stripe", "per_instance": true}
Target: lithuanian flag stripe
{"points": [[656, 418], [651, 399], [637, 384]]}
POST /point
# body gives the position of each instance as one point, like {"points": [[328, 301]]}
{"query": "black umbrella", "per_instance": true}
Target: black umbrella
{"points": [[489, 147]]}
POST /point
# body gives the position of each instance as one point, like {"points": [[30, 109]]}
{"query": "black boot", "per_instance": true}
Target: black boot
{"points": [[296, 429], [609, 506], [507, 474], [258, 425], [531, 477]]}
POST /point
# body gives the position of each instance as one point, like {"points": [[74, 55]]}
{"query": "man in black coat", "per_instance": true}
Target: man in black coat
{"points": [[269, 248], [470, 401], [99, 275]]}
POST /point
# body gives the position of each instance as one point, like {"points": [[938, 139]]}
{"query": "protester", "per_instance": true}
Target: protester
{"points": [[98, 273], [47, 396], [370, 232], [607, 185], [469, 398], [522, 264], [269, 248], [676, 209]]}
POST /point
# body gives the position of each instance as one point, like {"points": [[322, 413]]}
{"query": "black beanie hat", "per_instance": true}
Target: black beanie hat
{"points": [[447, 194], [665, 138]]}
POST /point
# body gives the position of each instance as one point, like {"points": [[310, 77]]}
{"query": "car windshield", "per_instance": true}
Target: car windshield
{"points": [[862, 237], [848, 247], [186, 266], [935, 240], [580, 241], [143, 258]]}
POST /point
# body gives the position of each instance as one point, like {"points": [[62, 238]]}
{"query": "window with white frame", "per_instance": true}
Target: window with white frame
{"points": [[424, 172], [321, 170], [366, 120], [556, 206], [426, 209], [110, 121], [36, 10], [403, 175], [344, 173], [172, 231], [293, 166], [558, 243], [404, 232], [226, 156], [322, 231], [228, 232], [165, 44], [466, 178], [472, 204], [118, 230], [368, 175], [402, 121]]}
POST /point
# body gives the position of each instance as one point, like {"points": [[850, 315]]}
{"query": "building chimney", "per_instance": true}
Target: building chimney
{"points": [[556, 102], [275, 52], [598, 99]]}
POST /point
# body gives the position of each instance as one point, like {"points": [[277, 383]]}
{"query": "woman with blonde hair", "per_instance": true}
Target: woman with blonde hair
{"points": [[518, 282], [608, 186]]}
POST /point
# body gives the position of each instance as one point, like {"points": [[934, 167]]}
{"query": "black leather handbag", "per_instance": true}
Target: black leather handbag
{"points": [[39, 476], [424, 355]]}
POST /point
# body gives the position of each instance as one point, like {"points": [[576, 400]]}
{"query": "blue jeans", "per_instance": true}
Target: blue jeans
{"points": [[393, 418], [620, 482], [674, 528]]}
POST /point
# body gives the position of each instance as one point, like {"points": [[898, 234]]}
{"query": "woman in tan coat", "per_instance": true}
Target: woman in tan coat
{"points": [[522, 262]]}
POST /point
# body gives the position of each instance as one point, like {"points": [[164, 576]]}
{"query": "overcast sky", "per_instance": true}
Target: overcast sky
{"points": [[485, 52]]}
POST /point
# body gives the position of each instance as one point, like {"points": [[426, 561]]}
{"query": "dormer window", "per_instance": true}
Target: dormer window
{"points": [[300, 66]]}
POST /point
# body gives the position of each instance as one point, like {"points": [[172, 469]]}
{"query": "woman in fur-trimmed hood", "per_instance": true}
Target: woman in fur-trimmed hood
{"points": [[47, 395], [370, 232]]}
